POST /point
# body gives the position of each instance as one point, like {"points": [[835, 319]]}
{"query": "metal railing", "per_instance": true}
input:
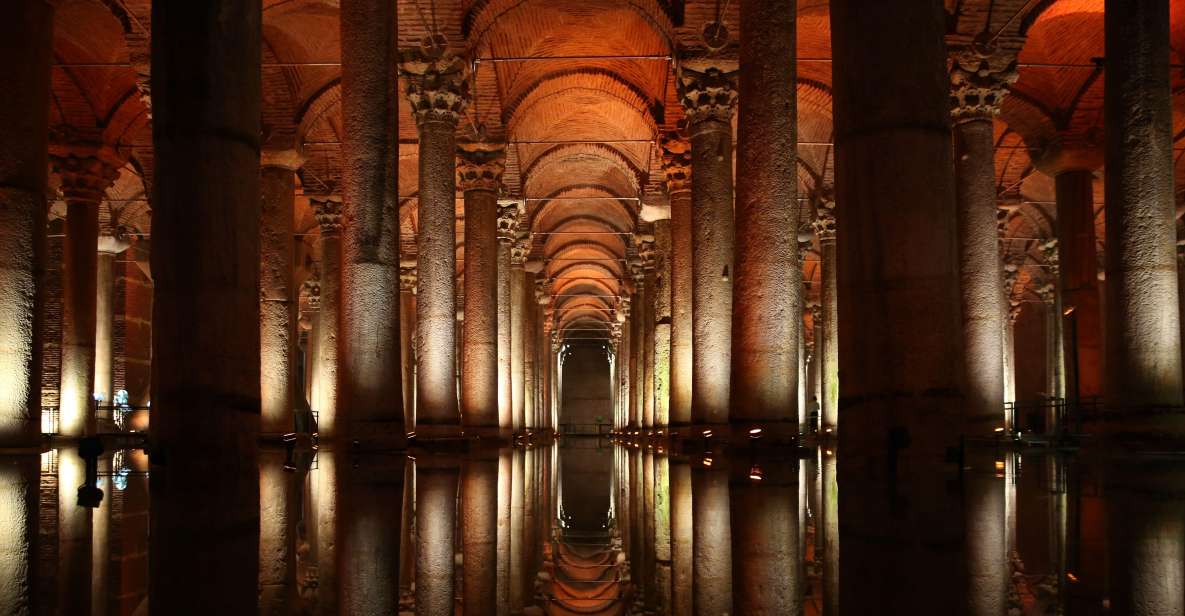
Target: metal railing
{"points": [[1051, 417]]}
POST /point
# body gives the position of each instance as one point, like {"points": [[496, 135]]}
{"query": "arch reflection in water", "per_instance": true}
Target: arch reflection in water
{"points": [[587, 526]]}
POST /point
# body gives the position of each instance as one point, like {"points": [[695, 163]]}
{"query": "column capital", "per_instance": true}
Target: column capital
{"points": [[1049, 252], [707, 91], [508, 217], [1011, 274], [407, 278], [824, 222], [85, 177], [647, 253], [805, 234], [979, 82], [328, 212], [542, 291], [1014, 307], [520, 249], [312, 290], [1046, 292], [676, 162], [816, 311], [480, 166], [437, 88]]}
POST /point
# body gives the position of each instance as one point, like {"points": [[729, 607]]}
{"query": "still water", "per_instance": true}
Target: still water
{"points": [[589, 526]]}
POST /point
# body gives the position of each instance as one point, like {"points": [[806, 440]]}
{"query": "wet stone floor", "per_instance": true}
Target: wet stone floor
{"points": [[591, 526]]}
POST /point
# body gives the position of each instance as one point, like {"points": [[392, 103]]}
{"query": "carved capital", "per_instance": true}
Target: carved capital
{"points": [[520, 250], [508, 215], [824, 222], [480, 166], [1047, 292], [408, 279], [707, 93], [1011, 273], [1049, 253], [328, 213], [647, 253], [84, 178], [437, 88], [816, 314], [979, 83], [312, 291], [676, 163]]}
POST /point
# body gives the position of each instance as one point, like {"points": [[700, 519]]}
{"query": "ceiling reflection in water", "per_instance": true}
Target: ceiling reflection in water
{"points": [[592, 527]]}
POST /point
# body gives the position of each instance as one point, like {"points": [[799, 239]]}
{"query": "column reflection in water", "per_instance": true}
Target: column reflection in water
{"points": [[371, 497], [712, 564], [662, 533], [1146, 537], [278, 517], [648, 544], [681, 539], [19, 490], [516, 581], [829, 521], [323, 530], [74, 537], [987, 566], [436, 499], [102, 534], [479, 533], [766, 564], [505, 469]]}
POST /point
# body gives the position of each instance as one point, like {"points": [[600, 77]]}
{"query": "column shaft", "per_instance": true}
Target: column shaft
{"points": [[205, 326], [1143, 365], [79, 274], [505, 402], [983, 306], [1078, 265], [901, 349], [648, 321], [24, 112], [712, 542], [436, 310], [278, 519], [479, 534], [827, 345], [104, 326], [326, 370], [662, 325], [710, 132], [479, 361], [518, 283], [371, 398], [436, 501], [371, 488], [682, 541], [407, 331], [766, 562], [681, 321], [767, 291], [277, 301], [530, 418]]}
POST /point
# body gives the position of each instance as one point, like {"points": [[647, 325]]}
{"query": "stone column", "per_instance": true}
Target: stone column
{"points": [[479, 533], [978, 84], [1143, 327], [407, 329], [85, 180], [370, 395], [24, 112], [507, 230], [328, 212], [277, 295], [712, 539], [766, 562], [901, 348], [518, 285], [676, 164], [109, 247], [438, 93], [1055, 351], [662, 324], [709, 95], [638, 349], [767, 292], [311, 323], [205, 326], [649, 262], [827, 345], [480, 169], [530, 419], [436, 500], [682, 554]]}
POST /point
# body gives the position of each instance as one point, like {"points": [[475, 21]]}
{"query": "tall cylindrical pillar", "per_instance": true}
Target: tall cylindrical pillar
{"points": [[1143, 326], [901, 348], [407, 341], [676, 164], [827, 326], [518, 285], [480, 169], [978, 85], [85, 179], [277, 294], [530, 344], [24, 111], [109, 247], [206, 90], [662, 324], [370, 395], [1082, 327], [638, 351], [438, 93], [328, 213], [708, 93], [767, 291], [507, 230], [649, 262]]}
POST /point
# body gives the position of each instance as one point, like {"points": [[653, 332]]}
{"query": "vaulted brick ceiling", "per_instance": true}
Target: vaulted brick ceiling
{"points": [[582, 132]]}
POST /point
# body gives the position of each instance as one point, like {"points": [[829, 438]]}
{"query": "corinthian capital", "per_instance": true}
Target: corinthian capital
{"points": [[407, 277], [436, 87], [676, 162], [979, 83], [328, 212], [707, 92], [508, 215], [85, 178], [480, 166], [824, 222], [520, 249]]}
